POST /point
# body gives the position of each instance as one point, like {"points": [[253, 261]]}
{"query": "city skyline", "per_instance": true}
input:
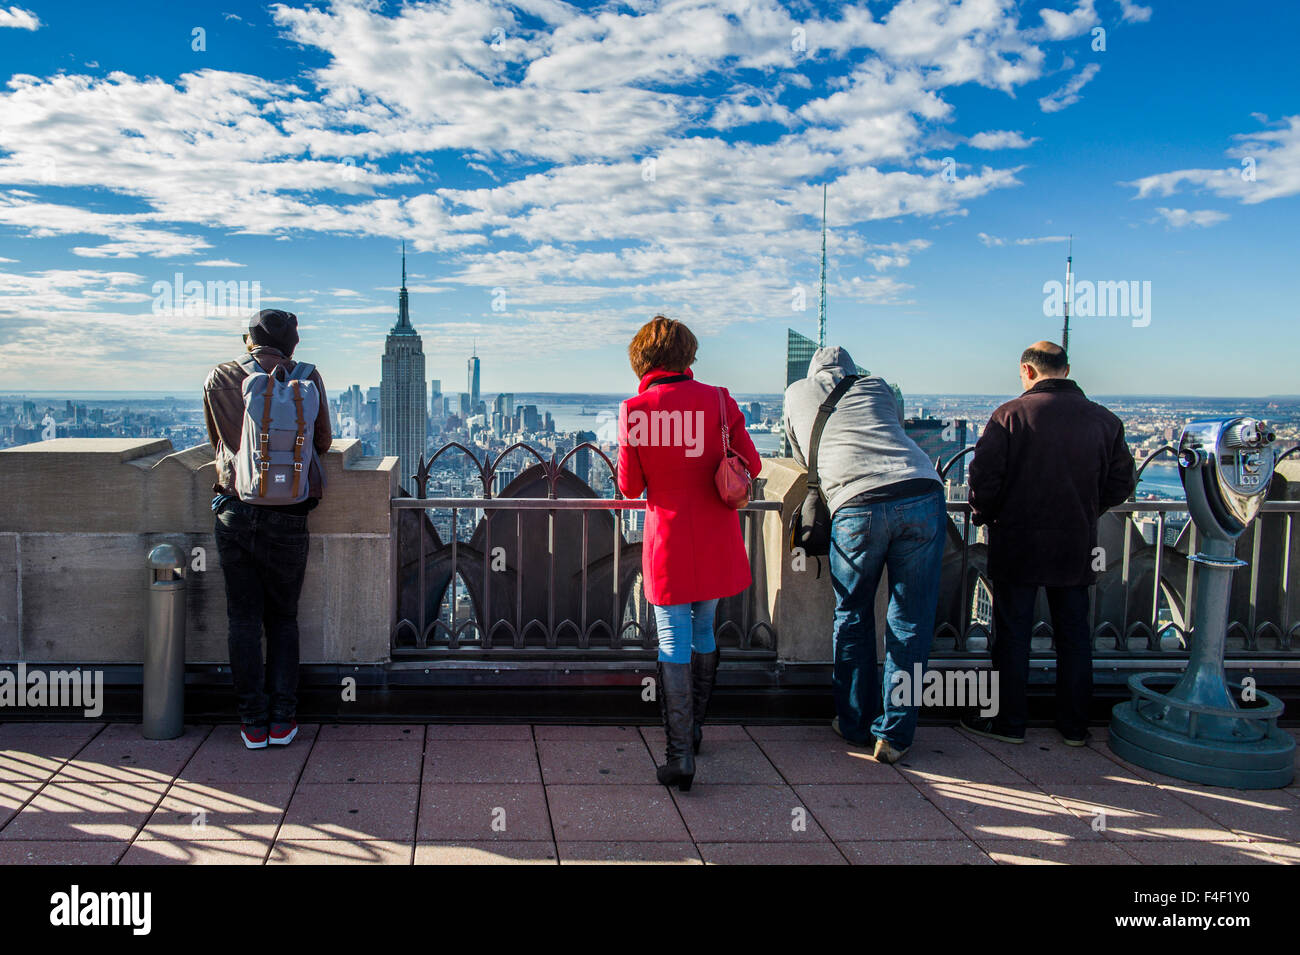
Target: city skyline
{"points": [[957, 145]]}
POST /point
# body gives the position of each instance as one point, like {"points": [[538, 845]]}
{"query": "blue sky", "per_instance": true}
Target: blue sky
{"points": [[583, 166]]}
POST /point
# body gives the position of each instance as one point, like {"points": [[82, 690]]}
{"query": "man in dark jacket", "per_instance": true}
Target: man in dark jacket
{"points": [[262, 547], [1048, 464]]}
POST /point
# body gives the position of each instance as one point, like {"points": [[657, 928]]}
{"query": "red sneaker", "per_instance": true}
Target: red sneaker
{"points": [[282, 734], [254, 736]]}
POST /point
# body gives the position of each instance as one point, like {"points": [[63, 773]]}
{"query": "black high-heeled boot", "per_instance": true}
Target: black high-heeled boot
{"points": [[677, 705], [704, 673]]}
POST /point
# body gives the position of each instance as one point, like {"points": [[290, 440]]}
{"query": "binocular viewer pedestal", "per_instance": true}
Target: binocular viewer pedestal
{"points": [[1197, 729]]}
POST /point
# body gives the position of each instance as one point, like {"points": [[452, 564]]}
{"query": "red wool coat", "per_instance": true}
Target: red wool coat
{"points": [[670, 445]]}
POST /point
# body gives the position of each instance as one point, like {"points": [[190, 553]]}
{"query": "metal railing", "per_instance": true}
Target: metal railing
{"points": [[473, 596], [1142, 603], [478, 589]]}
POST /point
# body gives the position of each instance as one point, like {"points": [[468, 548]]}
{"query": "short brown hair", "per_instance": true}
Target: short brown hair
{"points": [[662, 343]]}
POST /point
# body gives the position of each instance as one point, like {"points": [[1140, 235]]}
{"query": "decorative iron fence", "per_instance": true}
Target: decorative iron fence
{"points": [[545, 566], [1143, 601], [548, 567]]}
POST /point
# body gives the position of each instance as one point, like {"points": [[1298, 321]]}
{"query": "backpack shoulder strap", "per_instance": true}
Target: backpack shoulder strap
{"points": [[248, 363], [823, 413], [302, 371]]}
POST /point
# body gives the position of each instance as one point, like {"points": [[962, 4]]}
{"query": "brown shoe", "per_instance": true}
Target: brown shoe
{"points": [[886, 753]]}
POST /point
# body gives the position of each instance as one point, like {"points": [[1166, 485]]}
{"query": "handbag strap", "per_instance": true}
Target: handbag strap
{"points": [[722, 416], [824, 413]]}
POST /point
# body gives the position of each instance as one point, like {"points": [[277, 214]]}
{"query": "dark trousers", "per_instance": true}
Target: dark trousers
{"points": [[263, 558], [1013, 622]]}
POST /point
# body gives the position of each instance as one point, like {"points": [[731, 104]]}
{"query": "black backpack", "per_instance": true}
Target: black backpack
{"points": [[810, 525]]}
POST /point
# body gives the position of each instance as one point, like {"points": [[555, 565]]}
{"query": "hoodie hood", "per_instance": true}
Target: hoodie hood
{"points": [[832, 360], [864, 446]]}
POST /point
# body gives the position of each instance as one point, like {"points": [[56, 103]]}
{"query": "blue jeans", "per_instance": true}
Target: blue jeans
{"points": [[906, 535], [683, 627]]}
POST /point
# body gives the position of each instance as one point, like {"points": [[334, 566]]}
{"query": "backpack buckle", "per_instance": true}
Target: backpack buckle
{"points": [[264, 466], [265, 437], [297, 465], [298, 440]]}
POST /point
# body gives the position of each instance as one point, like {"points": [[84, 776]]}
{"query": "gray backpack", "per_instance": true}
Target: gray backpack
{"points": [[276, 453]]}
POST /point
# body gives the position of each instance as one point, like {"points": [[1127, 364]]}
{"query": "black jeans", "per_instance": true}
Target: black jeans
{"points": [[263, 557], [1013, 621]]}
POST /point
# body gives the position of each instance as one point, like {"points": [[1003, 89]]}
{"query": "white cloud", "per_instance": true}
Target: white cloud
{"points": [[1180, 218], [894, 255], [1268, 167], [1068, 94], [128, 235], [19, 19], [1065, 26], [559, 106], [1134, 12], [992, 240], [1001, 139]]}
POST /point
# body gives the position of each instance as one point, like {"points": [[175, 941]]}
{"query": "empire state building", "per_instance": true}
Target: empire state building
{"points": [[403, 400]]}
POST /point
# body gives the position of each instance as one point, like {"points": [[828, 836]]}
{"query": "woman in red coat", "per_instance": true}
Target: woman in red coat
{"points": [[692, 555]]}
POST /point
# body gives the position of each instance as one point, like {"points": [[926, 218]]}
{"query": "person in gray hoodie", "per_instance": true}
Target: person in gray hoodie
{"points": [[887, 510]]}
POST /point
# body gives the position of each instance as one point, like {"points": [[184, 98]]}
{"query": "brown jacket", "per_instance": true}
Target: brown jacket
{"points": [[223, 408], [1046, 467]]}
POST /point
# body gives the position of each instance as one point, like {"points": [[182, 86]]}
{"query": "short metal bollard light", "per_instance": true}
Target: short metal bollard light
{"points": [[1196, 730], [164, 649]]}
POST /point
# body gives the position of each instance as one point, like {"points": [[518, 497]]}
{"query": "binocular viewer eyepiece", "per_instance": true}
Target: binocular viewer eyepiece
{"points": [[1226, 465]]}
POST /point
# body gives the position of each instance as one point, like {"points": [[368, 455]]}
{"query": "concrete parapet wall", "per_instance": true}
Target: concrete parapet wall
{"points": [[800, 600], [78, 516], [801, 604]]}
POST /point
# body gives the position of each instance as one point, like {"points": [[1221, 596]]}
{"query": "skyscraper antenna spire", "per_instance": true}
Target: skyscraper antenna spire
{"points": [[403, 301], [1069, 293], [821, 299]]}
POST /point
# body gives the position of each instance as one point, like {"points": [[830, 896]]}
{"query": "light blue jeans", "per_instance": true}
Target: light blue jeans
{"points": [[683, 627]]}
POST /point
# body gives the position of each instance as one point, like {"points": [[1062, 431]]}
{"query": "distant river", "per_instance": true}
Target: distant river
{"points": [[1161, 479]]}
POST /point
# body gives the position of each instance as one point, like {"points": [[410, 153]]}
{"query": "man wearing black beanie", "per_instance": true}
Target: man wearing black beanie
{"points": [[262, 547]]}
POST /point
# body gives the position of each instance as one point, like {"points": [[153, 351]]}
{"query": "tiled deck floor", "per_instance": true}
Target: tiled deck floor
{"points": [[498, 794]]}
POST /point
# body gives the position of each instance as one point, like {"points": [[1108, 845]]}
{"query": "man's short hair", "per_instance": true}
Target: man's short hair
{"points": [[1051, 361]]}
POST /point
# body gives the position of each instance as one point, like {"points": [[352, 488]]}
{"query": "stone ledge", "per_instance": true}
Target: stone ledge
{"points": [[124, 449], [81, 485]]}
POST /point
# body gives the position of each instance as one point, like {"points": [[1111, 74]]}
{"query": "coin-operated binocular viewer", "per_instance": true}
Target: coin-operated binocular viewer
{"points": [[1198, 730]]}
